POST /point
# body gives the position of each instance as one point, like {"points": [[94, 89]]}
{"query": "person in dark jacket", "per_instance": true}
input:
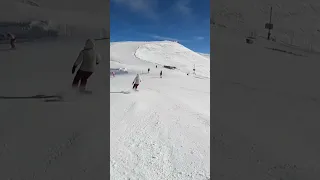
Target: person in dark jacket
{"points": [[161, 74], [12, 39], [88, 59]]}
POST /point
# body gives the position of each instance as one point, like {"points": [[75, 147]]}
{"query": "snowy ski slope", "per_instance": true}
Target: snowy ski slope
{"points": [[160, 53], [163, 130], [56, 140], [266, 102], [160, 132]]}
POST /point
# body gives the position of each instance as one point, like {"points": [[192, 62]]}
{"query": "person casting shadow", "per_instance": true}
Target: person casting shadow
{"points": [[89, 59]]}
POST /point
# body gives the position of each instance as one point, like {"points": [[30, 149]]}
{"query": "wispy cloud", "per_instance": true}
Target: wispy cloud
{"points": [[147, 7], [164, 38], [198, 38], [183, 7]]}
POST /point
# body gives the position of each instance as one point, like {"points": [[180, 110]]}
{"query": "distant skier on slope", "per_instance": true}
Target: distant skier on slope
{"points": [[161, 74], [88, 58], [136, 82], [148, 70], [12, 39]]}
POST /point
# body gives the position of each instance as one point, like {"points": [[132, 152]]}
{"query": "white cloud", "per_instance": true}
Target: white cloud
{"points": [[198, 38], [195, 38], [164, 38]]}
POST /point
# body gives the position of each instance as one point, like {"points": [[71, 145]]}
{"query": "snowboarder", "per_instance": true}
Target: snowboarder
{"points": [[148, 70], [12, 39], [136, 82], [88, 58], [161, 74]]}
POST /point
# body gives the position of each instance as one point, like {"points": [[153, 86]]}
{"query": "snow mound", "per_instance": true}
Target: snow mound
{"points": [[174, 54], [137, 54]]}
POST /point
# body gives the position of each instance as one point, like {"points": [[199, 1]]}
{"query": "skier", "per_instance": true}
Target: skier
{"points": [[88, 58], [156, 66], [113, 74], [194, 69], [136, 82], [148, 70], [12, 39], [161, 74]]}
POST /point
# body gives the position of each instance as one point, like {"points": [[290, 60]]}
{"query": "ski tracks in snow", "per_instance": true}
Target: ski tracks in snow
{"points": [[149, 141]]}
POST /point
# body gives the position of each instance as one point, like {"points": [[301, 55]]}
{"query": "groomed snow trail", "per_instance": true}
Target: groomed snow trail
{"points": [[265, 111], [163, 130], [56, 140]]}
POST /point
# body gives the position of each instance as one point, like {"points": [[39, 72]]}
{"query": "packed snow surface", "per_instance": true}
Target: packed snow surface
{"points": [[265, 110], [52, 140], [161, 131]]}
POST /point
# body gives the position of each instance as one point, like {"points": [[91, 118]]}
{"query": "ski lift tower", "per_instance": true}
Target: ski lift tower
{"points": [[269, 25]]}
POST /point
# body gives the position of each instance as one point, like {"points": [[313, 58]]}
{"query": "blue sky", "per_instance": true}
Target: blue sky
{"points": [[187, 21]]}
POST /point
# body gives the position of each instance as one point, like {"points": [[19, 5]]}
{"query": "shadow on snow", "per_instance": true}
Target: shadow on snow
{"points": [[46, 98], [120, 92]]}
